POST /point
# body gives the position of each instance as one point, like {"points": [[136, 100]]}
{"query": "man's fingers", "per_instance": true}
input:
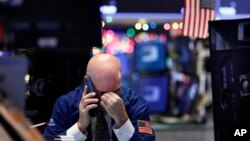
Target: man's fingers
{"points": [[89, 95], [91, 106], [106, 99], [86, 102], [110, 97], [85, 97], [85, 90], [104, 106]]}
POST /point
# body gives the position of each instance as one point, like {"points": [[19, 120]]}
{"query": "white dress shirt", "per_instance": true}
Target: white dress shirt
{"points": [[124, 133]]}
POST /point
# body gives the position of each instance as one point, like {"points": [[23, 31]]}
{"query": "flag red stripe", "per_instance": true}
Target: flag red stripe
{"points": [[197, 18], [210, 16], [203, 26], [206, 25], [147, 129], [202, 22], [186, 19], [191, 20], [194, 15]]}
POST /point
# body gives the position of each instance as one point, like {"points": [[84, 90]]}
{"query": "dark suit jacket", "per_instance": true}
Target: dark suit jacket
{"points": [[66, 113]]}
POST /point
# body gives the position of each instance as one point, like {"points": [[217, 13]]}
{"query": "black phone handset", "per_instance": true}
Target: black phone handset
{"points": [[87, 81]]}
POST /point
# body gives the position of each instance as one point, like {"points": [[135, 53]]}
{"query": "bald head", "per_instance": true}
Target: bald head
{"points": [[105, 72]]}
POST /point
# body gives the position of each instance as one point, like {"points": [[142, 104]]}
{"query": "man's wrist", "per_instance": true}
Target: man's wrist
{"points": [[121, 121], [81, 127], [125, 132], [76, 133]]}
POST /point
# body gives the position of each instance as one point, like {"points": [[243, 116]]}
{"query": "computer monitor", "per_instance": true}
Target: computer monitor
{"points": [[150, 57], [154, 89], [230, 70], [12, 74]]}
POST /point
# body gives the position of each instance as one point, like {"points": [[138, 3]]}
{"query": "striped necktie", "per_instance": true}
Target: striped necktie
{"points": [[102, 131]]}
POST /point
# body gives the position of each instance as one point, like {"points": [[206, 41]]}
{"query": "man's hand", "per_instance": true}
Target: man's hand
{"points": [[114, 106], [87, 103]]}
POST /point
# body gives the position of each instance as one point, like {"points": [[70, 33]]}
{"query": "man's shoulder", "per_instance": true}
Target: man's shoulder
{"points": [[129, 96], [127, 93], [72, 96], [135, 105]]}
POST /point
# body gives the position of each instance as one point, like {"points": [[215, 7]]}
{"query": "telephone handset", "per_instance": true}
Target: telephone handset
{"points": [[87, 81]]}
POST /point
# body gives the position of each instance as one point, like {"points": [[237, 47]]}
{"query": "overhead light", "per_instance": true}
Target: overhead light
{"points": [[166, 26], [138, 26], [108, 9], [109, 19], [145, 27], [227, 11], [175, 25]]}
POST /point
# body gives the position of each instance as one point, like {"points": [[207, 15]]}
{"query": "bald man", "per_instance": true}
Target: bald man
{"points": [[126, 113]]}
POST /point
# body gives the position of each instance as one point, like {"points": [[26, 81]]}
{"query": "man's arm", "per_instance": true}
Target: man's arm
{"points": [[125, 132], [114, 106], [65, 122], [138, 111], [57, 123]]}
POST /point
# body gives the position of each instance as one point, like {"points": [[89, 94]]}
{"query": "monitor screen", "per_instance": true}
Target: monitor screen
{"points": [[150, 57], [12, 73], [154, 89]]}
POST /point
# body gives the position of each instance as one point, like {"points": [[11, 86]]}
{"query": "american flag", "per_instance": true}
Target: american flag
{"points": [[197, 13], [145, 127]]}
